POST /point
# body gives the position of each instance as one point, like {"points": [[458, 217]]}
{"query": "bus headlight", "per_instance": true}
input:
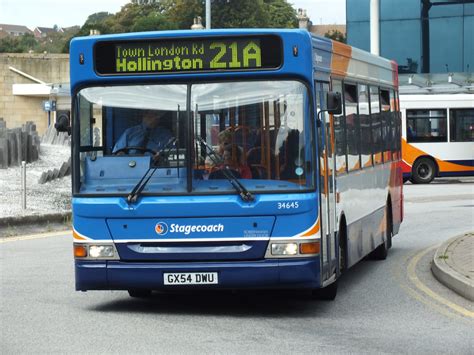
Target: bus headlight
{"points": [[95, 251], [300, 248], [101, 251], [284, 249]]}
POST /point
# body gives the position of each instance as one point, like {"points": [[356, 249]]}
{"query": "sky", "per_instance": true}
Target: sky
{"points": [[65, 13]]}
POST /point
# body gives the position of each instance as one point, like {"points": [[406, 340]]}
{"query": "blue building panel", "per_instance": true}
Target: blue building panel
{"points": [[468, 9], [446, 11], [399, 9], [358, 10], [451, 33], [446, 37], [358, 35], [401, 41], [468, 45]]}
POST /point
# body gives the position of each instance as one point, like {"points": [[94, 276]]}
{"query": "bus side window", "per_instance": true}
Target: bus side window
{"points": [[365, 127], [90, 123], [461, 125], [395, 134], [352, 127], [340, 133], [426, 125], [376, 124], [398, 125], [387, 137]]}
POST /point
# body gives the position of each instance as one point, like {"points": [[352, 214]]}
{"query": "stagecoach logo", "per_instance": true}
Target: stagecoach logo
{"points": [[161, 228], [318, 58]]}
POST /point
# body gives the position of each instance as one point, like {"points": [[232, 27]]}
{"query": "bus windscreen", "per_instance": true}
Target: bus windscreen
{"points": [[188, 55]]}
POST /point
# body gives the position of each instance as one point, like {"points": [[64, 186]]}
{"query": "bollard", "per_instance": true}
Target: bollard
{"points": [[23, 185]]}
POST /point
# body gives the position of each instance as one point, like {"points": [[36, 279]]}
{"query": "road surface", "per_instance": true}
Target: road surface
{"points": [[391, 306]]}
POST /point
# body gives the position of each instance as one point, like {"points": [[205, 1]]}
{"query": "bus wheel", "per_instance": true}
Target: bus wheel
{"points": [[327, 293], [139, 293], [423, 171]]}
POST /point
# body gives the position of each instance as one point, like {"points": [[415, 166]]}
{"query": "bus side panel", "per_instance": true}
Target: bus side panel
{"points": [[396, 195], [451, 158], [362, 199], [88, 229]]}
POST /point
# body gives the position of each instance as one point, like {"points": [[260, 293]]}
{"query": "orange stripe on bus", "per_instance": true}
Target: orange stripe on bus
{"points": [[77, 236], [341, 57], [312, 231]]}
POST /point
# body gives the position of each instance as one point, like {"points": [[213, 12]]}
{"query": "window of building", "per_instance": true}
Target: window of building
{"points": [[426, 125], [461, 125]]}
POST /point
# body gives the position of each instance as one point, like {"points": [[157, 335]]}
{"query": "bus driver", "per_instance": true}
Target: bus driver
{"points": [[149, 137]]}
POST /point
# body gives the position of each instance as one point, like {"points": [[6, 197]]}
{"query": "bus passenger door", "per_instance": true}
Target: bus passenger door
{"points": [[327, 187]]}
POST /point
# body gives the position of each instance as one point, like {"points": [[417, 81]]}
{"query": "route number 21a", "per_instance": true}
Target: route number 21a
{"points": [[250, 52]]}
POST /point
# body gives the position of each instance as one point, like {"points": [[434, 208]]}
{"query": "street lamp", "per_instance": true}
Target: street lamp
{"points": [[208, 14]]}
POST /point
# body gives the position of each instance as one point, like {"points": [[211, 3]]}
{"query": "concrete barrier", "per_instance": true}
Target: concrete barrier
{"points": [[18, 144]]}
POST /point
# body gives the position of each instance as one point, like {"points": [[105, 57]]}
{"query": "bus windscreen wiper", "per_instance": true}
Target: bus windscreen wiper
{"points": [[236, 184], [137, 190]]}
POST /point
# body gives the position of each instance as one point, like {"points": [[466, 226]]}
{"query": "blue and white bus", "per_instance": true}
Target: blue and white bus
{"points": [[252, 181]]}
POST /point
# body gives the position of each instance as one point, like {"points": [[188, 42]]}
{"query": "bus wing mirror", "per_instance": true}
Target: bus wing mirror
{"points": [[334, 103], [63, 122]]}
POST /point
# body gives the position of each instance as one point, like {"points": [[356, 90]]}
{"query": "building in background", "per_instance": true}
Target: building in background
{"points": [[27, 83], [304, 22], [13, 30], [42, 32], [451, 33]]}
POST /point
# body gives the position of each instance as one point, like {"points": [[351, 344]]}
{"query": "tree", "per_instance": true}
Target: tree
{"points": [[98, 21], [154, 21], [20, 44], [336, 35], [281, 13], [181, 13], [239, 14]]}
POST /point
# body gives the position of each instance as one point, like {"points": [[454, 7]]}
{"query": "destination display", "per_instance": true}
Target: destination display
{"points": [[188, 55]]}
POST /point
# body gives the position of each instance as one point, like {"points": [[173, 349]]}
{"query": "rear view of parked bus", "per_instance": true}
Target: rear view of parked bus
{"points": [[438, 136], [222, 160]]}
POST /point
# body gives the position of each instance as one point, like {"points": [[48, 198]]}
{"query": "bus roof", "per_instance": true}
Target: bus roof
{"points": [[329, 58]]}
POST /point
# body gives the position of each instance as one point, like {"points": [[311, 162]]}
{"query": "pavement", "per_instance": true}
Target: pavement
{"points": [[453, 265], [34, 224]]}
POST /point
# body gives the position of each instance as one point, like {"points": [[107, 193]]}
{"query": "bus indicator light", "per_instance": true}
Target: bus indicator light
{"points": [[310, 248], [80, 251]]}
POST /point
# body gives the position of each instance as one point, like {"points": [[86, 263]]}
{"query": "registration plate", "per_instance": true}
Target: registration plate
{"points": [[190, 278]]}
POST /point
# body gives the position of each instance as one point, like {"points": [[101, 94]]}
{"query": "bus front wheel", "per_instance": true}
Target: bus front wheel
{"points": [[139, 293], [327, 293], [423, 171]]}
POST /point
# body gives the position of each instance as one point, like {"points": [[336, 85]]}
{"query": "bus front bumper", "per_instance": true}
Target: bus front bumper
{"points": [[265, 274]]}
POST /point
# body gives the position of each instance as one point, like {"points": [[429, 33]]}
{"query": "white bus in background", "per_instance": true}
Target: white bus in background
{"points": [[437, 136]]}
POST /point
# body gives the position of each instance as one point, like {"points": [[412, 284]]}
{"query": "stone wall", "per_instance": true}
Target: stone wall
{"points": [[17, 110]]}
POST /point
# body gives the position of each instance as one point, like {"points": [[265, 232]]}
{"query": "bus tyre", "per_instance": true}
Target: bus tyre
{"points": [[327, 293], [139, 293], [423, 171]]}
